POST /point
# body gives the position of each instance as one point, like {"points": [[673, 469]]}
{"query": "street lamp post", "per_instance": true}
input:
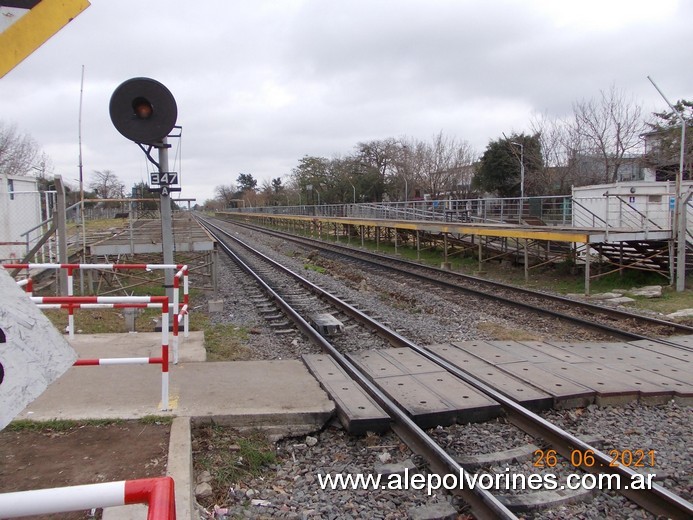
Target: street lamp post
{"points": [[405, 149], [522, 173], [353, 188], [522, 168], [678, 229]]}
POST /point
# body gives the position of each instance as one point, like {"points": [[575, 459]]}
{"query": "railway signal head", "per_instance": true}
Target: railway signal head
{"points": [[143, 110]]}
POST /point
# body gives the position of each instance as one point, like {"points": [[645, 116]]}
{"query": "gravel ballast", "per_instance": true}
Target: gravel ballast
{"points": [[290, 489]]}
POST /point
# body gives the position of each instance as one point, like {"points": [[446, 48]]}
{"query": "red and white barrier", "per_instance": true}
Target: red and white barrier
{"points": [[181, 313], [182, 273], [157, 493], [72, 302], [28, 285]]}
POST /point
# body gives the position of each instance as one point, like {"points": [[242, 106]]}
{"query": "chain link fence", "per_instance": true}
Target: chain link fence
{"points": [[25, 216]]}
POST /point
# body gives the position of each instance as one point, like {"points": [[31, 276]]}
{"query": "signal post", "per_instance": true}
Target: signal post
{"points": [[144, 111]]}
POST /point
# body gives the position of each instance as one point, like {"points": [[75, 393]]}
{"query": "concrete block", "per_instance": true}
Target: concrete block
{"points": [[650, 291], [396, 468], [130, 315], [326, 324], [437, 511], [215, 305]]}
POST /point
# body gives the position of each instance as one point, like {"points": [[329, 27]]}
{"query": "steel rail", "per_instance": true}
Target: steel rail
{"points": [[482, 502], [657, 499], [378, 259]]}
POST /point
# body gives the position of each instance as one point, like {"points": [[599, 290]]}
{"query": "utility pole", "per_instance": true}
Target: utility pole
{"points": [[61, 226], [678, 228]]}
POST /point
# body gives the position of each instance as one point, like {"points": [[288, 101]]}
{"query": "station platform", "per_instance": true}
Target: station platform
{"points": [[527, 240]]}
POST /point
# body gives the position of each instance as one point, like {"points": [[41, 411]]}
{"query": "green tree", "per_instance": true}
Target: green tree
{"points": [[499, 168], [141, 191], [277, 185], [377, 160], [311, 177], [246, 182], [273, 192]]}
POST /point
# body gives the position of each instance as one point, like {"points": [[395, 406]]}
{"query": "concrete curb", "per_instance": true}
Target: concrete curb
{"points": [[179, 467]]}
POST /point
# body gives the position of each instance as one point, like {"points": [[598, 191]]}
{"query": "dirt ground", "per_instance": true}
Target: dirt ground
{"points": [[81, 454]]}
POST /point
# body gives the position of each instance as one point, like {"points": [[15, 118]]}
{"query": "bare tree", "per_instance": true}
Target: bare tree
{"points": [[440, 166], [558, 143], [107, 185], [225, 193], [19, 154], [608, 128]]}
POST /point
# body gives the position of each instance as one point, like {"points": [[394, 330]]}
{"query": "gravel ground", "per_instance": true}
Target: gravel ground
{"points": [[422, 316], [290, 489]]}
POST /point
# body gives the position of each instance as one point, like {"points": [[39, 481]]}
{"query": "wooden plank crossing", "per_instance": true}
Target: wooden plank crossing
{"points": [[511, 386], [356, 410], [537, 374], [429, 394], [665, 353], [653, 372], [566, 393]]}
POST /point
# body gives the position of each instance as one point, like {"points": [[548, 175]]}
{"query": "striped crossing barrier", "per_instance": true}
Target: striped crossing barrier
{"points": [[157, 493], [181, 274], [71, 302]]}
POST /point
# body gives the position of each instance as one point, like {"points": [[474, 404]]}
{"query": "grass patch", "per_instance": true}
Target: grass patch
{"points": [[226, 342], [558, 278], [316, 268], [671, 301], [102, 321], [58, 425], [230, 457], [500, 333], [156, 419]]}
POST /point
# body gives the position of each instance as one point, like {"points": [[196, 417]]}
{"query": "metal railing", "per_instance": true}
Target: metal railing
{"points": [[601, 213]]}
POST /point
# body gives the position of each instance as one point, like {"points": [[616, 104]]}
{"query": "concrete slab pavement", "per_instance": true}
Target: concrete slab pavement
{"points": [[245, 393]]}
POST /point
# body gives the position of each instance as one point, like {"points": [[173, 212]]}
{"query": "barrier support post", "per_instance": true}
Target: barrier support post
{"points": [[164, 355]]}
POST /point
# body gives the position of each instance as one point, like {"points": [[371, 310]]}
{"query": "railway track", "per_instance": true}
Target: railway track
{"points": [[612, 322], [657, 500]]}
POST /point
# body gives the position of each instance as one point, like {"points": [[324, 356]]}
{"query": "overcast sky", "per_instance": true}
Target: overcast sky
{"points": [[260, 84]]}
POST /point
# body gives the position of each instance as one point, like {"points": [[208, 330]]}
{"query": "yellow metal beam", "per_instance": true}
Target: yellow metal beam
{"points": [[510, 231], [35, 27]]}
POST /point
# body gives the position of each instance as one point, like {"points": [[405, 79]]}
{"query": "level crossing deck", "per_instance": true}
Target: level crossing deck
{"points": [[539, 375]]}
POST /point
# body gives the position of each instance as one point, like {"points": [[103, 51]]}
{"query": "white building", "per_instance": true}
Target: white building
{"points": [[642, 205]]}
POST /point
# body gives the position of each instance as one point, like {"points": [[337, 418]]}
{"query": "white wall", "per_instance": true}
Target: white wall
{"points": [[648, 198]]}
